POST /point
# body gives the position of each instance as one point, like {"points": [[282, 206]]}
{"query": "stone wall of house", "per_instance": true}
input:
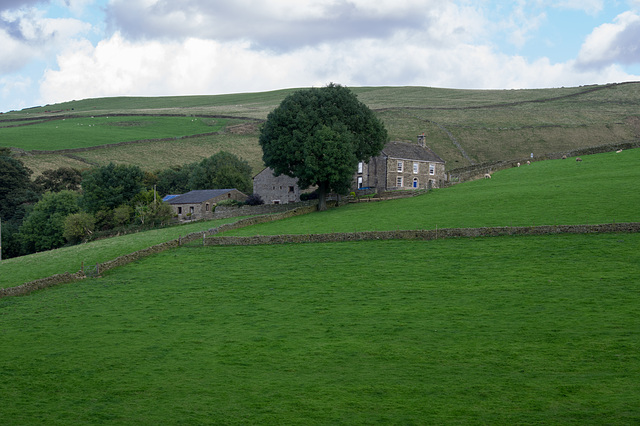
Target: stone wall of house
{"points": [[281, 189], [423, 175]]}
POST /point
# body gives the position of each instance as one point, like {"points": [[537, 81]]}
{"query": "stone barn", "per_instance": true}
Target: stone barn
{"points": [[281, 189], [200, 204]]}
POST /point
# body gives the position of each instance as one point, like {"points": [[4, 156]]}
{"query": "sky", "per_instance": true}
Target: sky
{"points": [[59, 50]]}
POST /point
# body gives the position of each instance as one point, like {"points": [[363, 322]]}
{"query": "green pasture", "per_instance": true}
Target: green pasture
{"points": [[84, 132], [490, 125], [508, 330], [18, 270], [603, 188]]}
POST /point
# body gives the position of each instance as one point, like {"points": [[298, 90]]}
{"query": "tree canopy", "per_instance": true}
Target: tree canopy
{"points": [[44, 228], [16, 187], [319, 135], [110, 186], [222, 170]]}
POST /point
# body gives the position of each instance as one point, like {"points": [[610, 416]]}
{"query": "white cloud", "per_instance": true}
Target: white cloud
{"points": [[117, 66], [612, 43]]}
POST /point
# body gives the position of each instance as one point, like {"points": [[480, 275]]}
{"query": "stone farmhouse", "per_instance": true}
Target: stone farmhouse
{"points": [[400, 166], [272, 189], [200, 204]]}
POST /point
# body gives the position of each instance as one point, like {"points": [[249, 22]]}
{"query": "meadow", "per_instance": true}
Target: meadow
{"points": [[508, 330], [18, 270], [462, 126], [84, 132], [602, 188]]}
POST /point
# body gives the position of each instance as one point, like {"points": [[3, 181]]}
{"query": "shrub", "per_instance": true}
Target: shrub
{"points": [[254, 200]]}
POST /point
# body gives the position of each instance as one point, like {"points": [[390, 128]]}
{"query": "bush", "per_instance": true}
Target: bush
{"points": [[254, 200], [306, 196]]}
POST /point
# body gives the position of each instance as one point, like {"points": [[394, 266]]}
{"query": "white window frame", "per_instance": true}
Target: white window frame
{"points": [[360, 166], [400, 166], [359, 182], [432, 169], [416, 168], [399, 182]]}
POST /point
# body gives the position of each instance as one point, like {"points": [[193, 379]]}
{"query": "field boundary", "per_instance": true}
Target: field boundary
{"points": [[68, 277], [433, 234]]}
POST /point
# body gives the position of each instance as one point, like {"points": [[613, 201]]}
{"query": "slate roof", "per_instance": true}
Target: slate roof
{"points": [[410, 151], [198, 196], [168, 197]]}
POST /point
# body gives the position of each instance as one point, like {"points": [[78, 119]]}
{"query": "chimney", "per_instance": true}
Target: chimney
{"points": [[421, 141]]}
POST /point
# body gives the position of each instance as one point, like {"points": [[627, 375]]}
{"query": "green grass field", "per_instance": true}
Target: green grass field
{"points": [[88, 131], [489, 125], [18, 270], [513, 330], [602, 188]]}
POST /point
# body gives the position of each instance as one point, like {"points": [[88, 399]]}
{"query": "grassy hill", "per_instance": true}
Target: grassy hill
{"points": [[504, 330], [462, 126]]}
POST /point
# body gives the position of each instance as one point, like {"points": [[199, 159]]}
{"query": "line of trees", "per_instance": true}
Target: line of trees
{"points": [[66, 206]]}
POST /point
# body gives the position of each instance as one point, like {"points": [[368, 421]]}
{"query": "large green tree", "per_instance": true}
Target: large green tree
{"points": [[44, 228], [222, 170], [319, 135], [110, 186], [16, 187]]}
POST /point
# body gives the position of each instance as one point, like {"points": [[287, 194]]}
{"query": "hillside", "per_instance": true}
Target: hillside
{"points": [[462, 126], [600, 189]]}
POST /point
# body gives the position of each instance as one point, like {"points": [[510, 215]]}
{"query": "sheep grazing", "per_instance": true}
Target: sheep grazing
{"points": [[487, 176], [578, 159], [518, 164], [564, 157], [618, 151], [528, 163]]}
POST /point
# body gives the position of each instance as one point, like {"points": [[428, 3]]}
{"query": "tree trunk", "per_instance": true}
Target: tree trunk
{"points": [[322, 196]]}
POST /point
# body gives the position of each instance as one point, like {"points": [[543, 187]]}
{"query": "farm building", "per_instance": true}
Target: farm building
{"points": [[401, 165], [199, 204], [281, 189]]}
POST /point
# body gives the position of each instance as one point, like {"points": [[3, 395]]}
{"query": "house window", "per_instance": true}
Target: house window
{"points": [[207, 207], [400, 166], [399, 182], [360, 165], [415, 182], [291, 189], [229, 195], [179, 210], [415, 168], [432, 169], [191, 209], [359, 182], [276, 201]]}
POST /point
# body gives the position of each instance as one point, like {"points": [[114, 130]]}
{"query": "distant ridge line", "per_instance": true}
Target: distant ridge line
{"points": [[508, 104]]}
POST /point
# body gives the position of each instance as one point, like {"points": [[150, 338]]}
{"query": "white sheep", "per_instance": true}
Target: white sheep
{"points": [[518, 164], [528, 162], [618, 151], [578, 159], [487, 176]]}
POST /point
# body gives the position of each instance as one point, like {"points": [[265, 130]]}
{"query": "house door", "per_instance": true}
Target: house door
{"points": [[415, 182]]}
